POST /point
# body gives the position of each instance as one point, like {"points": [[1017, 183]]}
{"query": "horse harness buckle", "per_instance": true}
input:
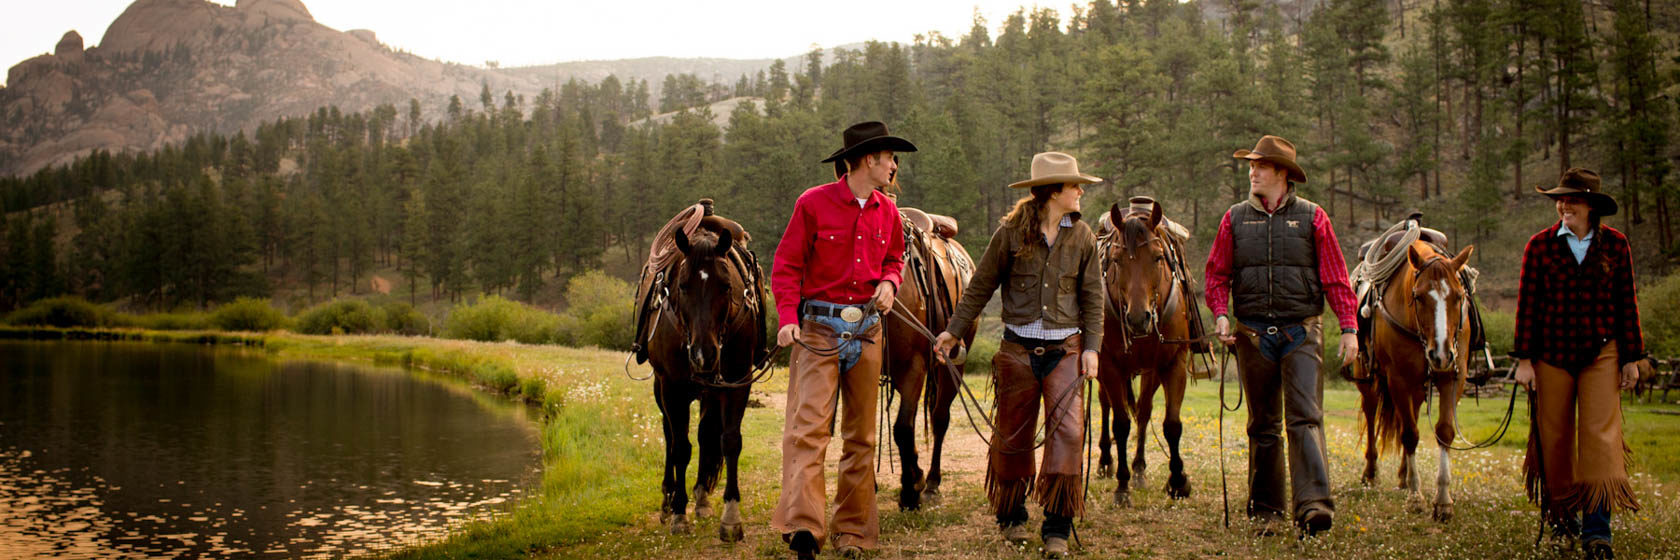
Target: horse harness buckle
{"points": [[851, 314]]}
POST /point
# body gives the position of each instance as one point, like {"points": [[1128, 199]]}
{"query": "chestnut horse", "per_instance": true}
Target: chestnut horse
{"points": [[936, 269], [707, 337], [1146, 326], [1421, 338]]}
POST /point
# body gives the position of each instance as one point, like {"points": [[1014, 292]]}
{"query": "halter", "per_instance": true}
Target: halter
{"points": [[1412, 330], [748, 305], [1158, 307]]}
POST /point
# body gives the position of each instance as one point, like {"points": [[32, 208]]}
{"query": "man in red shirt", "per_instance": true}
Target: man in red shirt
{"points": [[836, 272], [1277, 259]]}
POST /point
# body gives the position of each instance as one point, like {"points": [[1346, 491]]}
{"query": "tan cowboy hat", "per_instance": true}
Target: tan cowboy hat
{"points": [[1583, 183], [1276, 150], [867, 138], [1049, 168]]}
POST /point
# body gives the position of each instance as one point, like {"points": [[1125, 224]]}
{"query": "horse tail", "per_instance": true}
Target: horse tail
{"points": [[1389, 423]]}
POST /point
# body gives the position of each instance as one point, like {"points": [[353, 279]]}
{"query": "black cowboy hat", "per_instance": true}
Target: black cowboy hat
{"points": [[867, 138], [1583, 183]]}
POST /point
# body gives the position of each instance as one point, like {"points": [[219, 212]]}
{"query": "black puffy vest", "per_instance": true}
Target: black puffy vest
{"points": [[1274, 276]]}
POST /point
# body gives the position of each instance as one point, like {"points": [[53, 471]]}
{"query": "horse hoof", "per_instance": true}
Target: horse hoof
{"points": [[1138, 481], [730, 533], [1368, 480], [1414, 504], [1179, 492], [702, 510], [1105, 470], [1443, 513], [931, 498], [909, 500], [1122, 499], [679, 525]]}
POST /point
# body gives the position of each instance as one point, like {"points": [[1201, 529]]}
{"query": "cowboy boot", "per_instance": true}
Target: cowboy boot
{"points": [[1017, 533], [1055, 548]]}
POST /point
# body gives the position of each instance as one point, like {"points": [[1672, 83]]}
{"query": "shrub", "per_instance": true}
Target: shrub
{"points": [[175, 321], [351, 316], [533, 388], [61, 312], [496, 376], [494, 319], [602, 311], [248, 314], [1658, 321], [402, 318]]}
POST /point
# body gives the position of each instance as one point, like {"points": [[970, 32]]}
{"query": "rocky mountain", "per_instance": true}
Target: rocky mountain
{"points": [[170, 68]]}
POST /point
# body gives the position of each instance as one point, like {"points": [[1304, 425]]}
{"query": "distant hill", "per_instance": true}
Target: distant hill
{"points": [[171, 68]]}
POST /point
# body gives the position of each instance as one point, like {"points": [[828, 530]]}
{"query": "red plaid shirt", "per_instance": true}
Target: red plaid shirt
{"points": [[1332, 270], [1567, 312], [835, 251]]}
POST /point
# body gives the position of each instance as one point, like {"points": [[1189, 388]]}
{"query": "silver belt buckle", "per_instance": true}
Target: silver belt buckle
{"points": [[851, 314], [1271, 330]]}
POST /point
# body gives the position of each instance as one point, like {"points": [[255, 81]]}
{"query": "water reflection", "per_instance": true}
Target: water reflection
{"points": [[122, 450]]}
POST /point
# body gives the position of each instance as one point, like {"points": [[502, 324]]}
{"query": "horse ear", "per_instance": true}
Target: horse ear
{"points": [[1115, 219], [682, 241], [1418, 260], [725, 239], [1154, 216], [1463, 257]]}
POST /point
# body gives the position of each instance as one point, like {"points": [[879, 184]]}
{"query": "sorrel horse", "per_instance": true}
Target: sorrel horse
{"points": [[707, 337], [1423, 306], [1146, 331], [936, 269]]}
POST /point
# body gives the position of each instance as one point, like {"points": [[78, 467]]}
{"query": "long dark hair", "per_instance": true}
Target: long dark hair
{"points": [[1027, 214]]}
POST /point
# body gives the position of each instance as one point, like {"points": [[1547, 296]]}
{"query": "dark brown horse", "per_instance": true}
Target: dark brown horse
{"points": [[1146, 327], [936, 270], [1419, 336], [706, 338]]}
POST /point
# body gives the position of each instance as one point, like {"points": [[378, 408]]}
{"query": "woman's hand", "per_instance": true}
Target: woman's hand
{"points": [[1630, 375], [1088, 364], [942, 345], [1525, 373]]}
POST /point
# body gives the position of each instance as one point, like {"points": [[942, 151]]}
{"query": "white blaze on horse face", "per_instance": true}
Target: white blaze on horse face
{"points": [[1440, 295], [704, 276]]}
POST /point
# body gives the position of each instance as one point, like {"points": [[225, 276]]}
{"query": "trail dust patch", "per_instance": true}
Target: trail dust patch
{"points": [[380, 284]]}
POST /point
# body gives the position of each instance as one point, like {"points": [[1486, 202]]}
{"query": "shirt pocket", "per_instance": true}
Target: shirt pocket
{"points": [[1067, 298], [832, 244]]}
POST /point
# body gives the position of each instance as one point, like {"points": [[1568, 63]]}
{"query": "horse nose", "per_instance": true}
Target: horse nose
{"points": [[697, 357], [1137, 320]]}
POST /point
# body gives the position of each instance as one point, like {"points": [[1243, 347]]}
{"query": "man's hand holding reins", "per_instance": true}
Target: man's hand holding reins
{"points": [[884, 293], [1222, 329], [1350, 348], [789, 333]]}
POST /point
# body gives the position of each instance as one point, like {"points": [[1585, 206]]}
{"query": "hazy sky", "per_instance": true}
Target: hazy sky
{"points": [[526, 32]]}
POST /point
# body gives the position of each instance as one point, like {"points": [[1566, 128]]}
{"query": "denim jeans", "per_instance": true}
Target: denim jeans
{"points": [[1596, 526], [850, 348], [1274, 346]]}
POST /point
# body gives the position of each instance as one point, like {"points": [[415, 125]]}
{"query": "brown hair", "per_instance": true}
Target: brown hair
{"points": [[1028, 213]]}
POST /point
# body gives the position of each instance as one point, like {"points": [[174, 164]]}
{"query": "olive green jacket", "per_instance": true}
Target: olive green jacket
{"points": [[1062, 286]]}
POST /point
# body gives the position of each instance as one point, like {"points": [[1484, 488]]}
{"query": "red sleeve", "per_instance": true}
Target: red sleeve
{"points": [[1530, 288], [1218, 278], [1333, 272], [892, 266], [788, 271]]}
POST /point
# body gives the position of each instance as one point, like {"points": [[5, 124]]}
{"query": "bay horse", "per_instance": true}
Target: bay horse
{"points": [[1146, 331], [1422, 338], [936, 269], [707, 337]]}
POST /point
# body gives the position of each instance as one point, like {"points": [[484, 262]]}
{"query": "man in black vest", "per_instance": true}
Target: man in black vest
{"points": [[1276, 257]]}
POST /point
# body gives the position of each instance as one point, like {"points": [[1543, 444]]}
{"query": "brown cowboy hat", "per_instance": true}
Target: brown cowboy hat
{"points": [[1049, 168], [1276, 150], [867, 138], [1583, 183]]}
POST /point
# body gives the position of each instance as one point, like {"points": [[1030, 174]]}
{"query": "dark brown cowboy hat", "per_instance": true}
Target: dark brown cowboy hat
{"points": [[1583, 183], [1276, 150], [867, 138]]}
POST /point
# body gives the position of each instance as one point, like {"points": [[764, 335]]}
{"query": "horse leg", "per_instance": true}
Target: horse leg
{"points": [[941, 414], [711, 454], [1178, 484], [673, 401], [909, 387], [1368, 411], [1145, 405], [1408, 445], [1105, 462], [1119, 397], [1445, 433], [733, 410]]}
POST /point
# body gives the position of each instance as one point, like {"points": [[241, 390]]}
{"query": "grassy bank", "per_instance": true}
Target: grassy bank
{"points": [[602, 447]]}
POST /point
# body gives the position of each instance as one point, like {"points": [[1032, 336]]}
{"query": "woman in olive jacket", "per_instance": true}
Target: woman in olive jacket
{"points": [[1046, 260]]}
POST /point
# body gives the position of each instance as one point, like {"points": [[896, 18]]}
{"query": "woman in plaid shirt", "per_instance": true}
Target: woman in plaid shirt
{"points": [[1577, 343]]}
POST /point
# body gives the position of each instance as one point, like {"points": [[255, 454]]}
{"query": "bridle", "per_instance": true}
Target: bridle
{"points": [[1413, 331], [1158, 305]]}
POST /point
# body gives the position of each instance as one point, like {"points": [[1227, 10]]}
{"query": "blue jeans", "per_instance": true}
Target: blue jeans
{"points": [[1275, 345], [1596, 526], [850, 348]]}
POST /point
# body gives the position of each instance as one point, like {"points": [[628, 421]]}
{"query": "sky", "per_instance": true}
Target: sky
{"points": [[529, 32]]}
